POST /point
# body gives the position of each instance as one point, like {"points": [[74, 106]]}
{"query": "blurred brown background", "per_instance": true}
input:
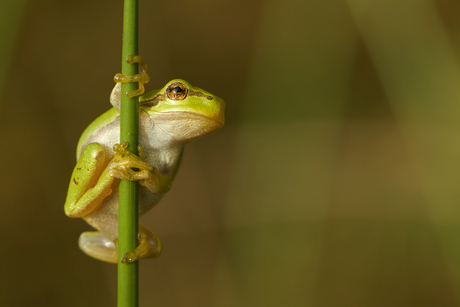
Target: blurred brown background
{"points": [[333, 183]]}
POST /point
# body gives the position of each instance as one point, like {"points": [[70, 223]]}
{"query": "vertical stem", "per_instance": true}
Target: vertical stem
{"points": [[128, 220]]}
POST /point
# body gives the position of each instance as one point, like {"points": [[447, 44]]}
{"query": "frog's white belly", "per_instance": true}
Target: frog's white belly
{"points": [[157, 153]]}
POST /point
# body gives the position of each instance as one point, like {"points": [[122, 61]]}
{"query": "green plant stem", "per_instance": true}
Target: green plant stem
{"points": [[128, 219]]}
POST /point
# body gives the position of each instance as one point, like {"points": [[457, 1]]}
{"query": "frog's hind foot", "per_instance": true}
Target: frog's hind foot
{"points": [[94, 244], [149, 247]]}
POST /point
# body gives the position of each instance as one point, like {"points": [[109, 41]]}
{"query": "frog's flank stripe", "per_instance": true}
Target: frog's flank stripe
{"points": [[160, 97], [199, 94], [152, 101]]}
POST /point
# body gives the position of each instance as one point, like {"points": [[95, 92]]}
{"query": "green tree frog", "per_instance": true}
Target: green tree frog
{"points": [[169, 118]]}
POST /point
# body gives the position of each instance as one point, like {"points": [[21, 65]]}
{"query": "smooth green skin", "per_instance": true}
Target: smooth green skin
{"points": [[165, 126]]}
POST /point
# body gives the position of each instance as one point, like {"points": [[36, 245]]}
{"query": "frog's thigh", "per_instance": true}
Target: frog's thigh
{"points": [[89, 183], [94, 244]]}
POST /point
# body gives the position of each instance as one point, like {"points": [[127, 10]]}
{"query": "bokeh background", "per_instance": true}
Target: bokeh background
{"points": [[333, 183]]}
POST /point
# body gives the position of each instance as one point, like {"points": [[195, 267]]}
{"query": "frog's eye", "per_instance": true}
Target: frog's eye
{"points": [[177, 91]]}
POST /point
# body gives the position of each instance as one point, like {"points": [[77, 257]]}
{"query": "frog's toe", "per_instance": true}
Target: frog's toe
{"points": [[94, 244], [142, 77], [129, 174], [129, 257], [141, 250], [120, 148]]}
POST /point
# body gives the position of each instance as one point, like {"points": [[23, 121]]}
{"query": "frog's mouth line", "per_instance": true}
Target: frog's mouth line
{"points": [[219, 120]]}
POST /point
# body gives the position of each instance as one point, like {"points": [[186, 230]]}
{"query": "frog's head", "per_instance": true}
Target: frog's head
{"points": [[183, 111]]}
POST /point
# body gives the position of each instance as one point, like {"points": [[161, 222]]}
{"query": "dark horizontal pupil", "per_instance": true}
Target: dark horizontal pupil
{"points": [[177, 90]]}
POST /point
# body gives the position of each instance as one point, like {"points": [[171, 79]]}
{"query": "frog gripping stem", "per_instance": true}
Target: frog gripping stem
{"points": [[142, 77]]}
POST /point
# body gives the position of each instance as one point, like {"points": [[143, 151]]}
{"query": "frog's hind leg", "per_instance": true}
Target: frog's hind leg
{"points": [[96, 245], [90, 183]]}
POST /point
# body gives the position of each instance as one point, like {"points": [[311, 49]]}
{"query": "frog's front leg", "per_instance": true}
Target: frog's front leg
{"points": [[147, 175], [141, 77]]}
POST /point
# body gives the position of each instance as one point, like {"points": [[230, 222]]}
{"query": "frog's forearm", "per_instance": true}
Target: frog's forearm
{"points": [[158, 183]]}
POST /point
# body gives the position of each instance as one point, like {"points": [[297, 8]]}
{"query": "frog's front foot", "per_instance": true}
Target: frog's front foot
{"points": [[127, 166], [142, 77]]}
